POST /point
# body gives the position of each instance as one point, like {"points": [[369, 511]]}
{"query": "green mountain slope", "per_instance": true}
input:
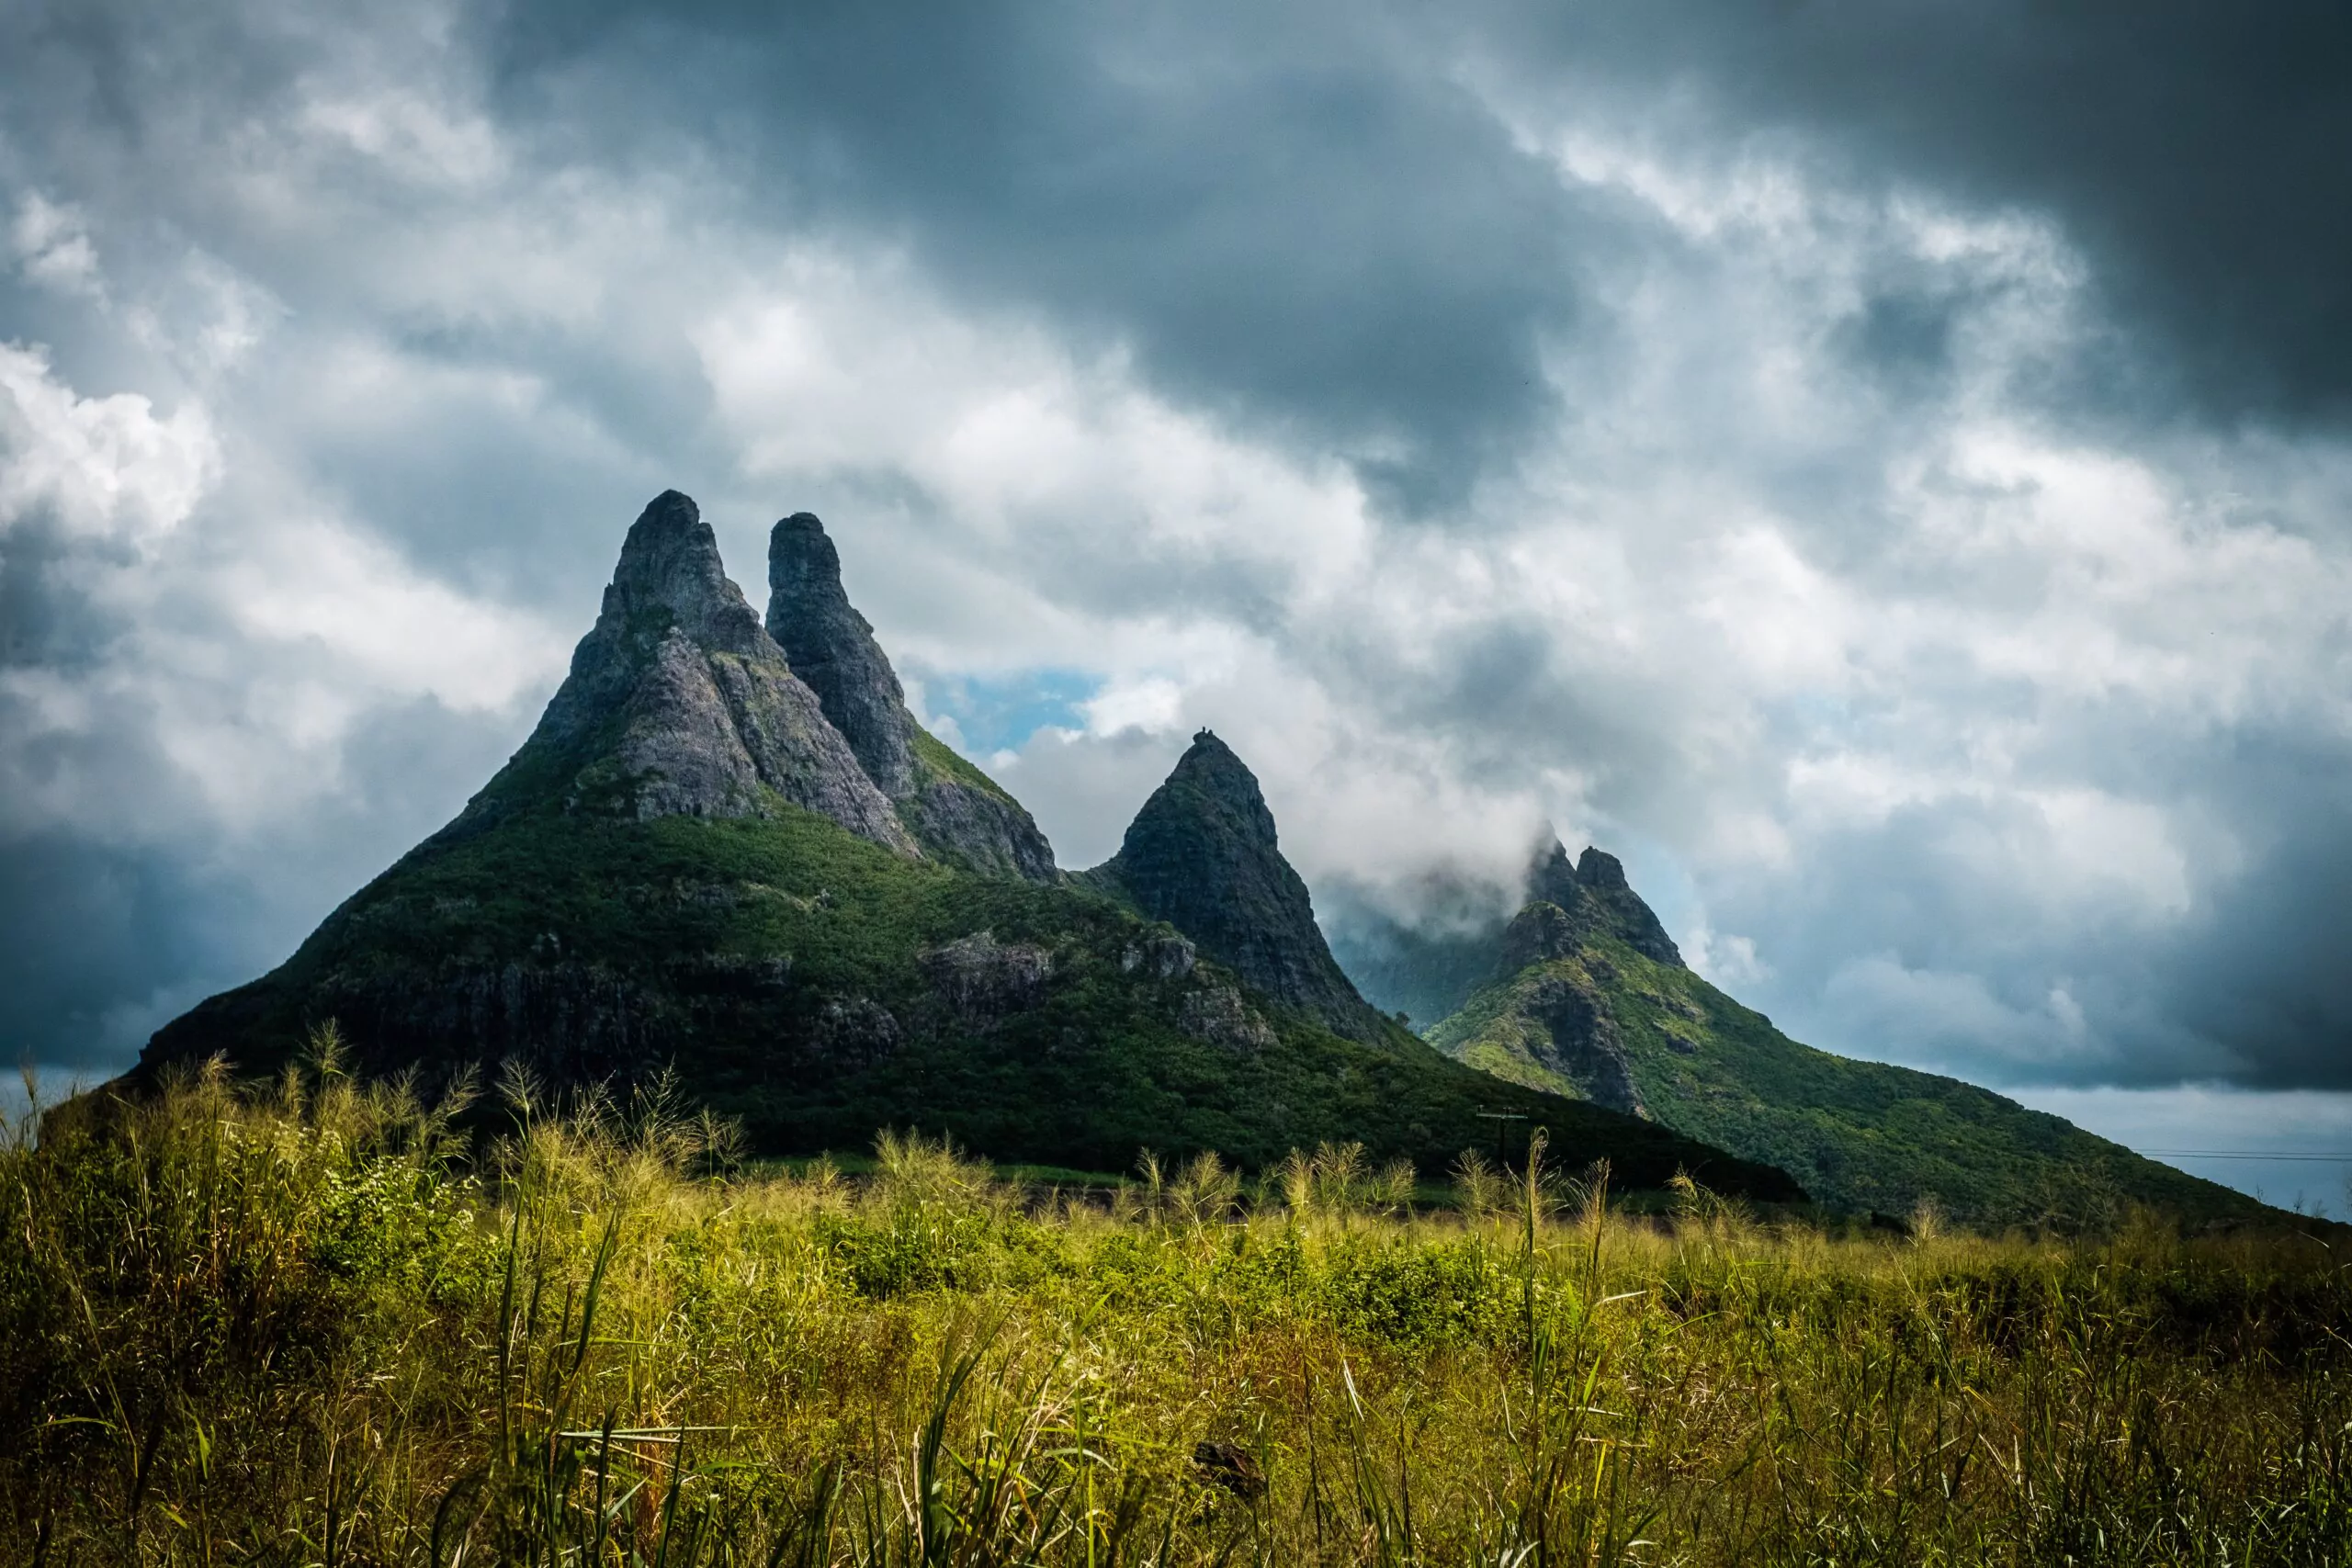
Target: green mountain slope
{"points": [[689, 863], [1591, 998]]}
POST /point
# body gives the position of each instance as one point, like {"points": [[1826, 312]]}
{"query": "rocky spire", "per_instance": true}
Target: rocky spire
{"points": [[678, 704], [954, 810], [670, 566], [833, 649], [1202, 855], [1593, 891]]}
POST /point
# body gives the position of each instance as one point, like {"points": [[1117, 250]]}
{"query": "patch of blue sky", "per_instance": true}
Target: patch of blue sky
{"points": [[994, 713]]}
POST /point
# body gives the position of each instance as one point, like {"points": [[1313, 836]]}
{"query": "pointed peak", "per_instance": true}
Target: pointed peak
{"points": [[1546, 855], [670, 562], [803, 565], [1212, 770], [669, 537], [1207, 751], [1551, 874], [1600, 870], [1202, 854]]}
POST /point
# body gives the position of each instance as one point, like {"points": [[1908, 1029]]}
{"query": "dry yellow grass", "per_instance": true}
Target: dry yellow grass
{"points": [[308, 1329]]}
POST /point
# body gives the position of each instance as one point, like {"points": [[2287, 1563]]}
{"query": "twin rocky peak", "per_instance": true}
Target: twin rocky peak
{"points": [[681, 702]]}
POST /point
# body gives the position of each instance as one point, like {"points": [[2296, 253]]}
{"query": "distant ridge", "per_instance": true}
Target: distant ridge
{"points": [[1582, 990]]}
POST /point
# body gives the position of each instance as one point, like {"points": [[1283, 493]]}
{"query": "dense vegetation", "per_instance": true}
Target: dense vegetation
{"points": [[786, 967], [1858, 1134], [314, 1329]]}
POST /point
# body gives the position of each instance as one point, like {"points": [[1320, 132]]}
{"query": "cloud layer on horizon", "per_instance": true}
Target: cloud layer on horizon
{"points": [[1898, 504]]}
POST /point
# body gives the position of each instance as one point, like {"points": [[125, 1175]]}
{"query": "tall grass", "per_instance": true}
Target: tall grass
{"points": [[316, 1328]]}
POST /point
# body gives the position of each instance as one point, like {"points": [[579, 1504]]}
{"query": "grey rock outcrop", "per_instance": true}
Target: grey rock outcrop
{"points": [[1593, 893], [1219, 1016], [949, 805], [1584, 1045], [679, 704], [971, 823], [1163, 956], [983, 980], [856, 1031], [1202, 854], [1537, 934]]}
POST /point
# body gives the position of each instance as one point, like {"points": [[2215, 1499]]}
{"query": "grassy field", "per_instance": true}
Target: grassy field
{"points": [[311, 1328]]}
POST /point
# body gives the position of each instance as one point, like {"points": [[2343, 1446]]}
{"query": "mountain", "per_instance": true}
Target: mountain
{"points": [[1582, 991], [729, 848], [1203, 855]]}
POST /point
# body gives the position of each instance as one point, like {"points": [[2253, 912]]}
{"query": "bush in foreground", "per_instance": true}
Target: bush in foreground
{"points": [[314, 1328]]}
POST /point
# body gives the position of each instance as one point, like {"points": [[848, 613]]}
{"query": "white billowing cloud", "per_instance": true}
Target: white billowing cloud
{"points": [[244, 656], [1049, 473], [1729, 962], [349, 597], [103, 468], [1154, 703]]}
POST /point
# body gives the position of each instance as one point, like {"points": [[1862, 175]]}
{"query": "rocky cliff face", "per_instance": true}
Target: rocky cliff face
{"points": [[1202, 854], [1596, 897], [678, 704], [957, 813], [1576, 1038], [833, 649]]}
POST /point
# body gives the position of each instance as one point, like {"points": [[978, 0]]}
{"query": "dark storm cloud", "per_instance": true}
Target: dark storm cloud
{"points": [[1292, 215], [1302, 214], [2195, 151], [2261, 967]]}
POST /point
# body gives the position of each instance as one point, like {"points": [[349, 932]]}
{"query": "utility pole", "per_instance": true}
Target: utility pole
{"points": [[1502, 1121]]}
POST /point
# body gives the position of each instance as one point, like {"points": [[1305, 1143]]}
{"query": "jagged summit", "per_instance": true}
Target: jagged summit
{"points": [[670, 565], [679, 704], [1203, 855], [956, 812], [1593, 891]]}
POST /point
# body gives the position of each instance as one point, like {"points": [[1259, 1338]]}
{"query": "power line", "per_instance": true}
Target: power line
{"points": [[2250, 1153]]}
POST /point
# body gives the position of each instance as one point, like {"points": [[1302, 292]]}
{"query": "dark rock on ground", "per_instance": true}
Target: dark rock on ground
{"points": [[1232, 1467]]}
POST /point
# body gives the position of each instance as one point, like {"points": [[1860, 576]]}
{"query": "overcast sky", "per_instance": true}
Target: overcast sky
{"points": [[1883, 468]]}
